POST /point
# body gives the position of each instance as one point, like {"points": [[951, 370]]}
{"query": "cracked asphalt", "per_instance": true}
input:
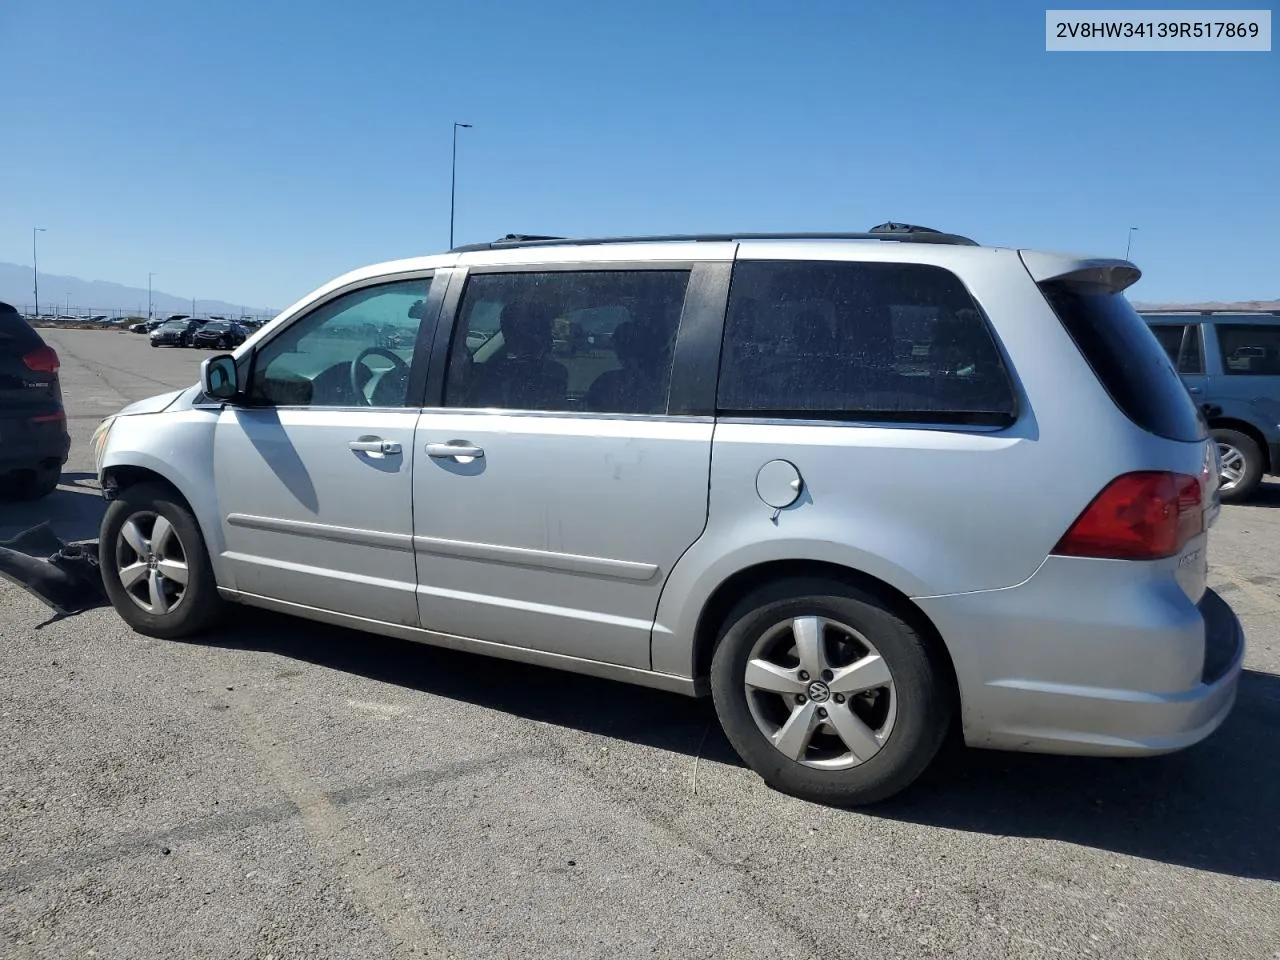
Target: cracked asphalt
{"points": [[283, 789]]}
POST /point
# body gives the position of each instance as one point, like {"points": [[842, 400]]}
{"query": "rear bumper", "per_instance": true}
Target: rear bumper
{"points": [[25, 445], [1136, 669]]}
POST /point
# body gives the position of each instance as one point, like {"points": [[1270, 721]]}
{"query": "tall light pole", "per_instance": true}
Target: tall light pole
{"points": [[149, 276], [1129, 242], [453, 179], [35, 268]]}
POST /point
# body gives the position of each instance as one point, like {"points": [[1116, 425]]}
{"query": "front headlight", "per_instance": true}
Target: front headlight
{"points": [[98, 443]]}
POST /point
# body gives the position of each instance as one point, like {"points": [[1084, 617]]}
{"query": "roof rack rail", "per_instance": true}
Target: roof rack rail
{"points": [[901, 232]]}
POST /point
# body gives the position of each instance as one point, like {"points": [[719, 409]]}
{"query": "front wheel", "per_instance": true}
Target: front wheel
{"points": [[828, 694], [1241, 469], [155, 566]]}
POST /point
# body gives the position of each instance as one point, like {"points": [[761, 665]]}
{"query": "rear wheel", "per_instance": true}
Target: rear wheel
{"points": [[828, 694], [155, 566], [1241, 470]]}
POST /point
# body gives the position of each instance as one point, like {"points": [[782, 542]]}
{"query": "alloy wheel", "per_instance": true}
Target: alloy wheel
{"points": [[1232, 466], [820, 693], [151, 563]]}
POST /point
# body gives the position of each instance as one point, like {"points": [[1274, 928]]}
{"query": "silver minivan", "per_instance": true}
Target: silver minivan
{"points": [[861, 489]]}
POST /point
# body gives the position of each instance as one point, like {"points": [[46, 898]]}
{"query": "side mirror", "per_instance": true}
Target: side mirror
{"points": [[219, 377]]}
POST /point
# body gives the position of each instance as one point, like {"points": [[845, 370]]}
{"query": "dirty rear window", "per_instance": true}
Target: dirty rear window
{"points": [[1127, 358]]}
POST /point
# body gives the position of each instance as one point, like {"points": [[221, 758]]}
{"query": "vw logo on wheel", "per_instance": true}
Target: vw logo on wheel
{"points": [[819, 692]]}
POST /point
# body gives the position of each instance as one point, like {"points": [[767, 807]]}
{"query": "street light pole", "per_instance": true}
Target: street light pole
{"points": [[149, 276], [1129, 242], [35, 268], [453, 179]]}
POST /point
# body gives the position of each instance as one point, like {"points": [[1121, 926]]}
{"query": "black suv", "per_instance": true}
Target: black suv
{"points": [[175, 333], [220, 335], [33, 424]]}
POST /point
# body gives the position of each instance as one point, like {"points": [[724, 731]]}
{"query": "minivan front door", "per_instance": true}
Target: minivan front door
{"points": [[314, 471]]}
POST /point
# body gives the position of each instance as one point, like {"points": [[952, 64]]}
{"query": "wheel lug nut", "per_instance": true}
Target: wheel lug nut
{"points": [[839, 698], [822, 712], [827, 674], [804, 674], [800, 698]]}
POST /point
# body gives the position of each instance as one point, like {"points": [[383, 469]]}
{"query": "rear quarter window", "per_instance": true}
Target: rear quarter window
{"points": [[1249, 349], [860, 341], [1127, 358]]}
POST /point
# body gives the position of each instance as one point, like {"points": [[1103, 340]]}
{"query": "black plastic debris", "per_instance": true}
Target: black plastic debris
{"points": [[63, 576]]}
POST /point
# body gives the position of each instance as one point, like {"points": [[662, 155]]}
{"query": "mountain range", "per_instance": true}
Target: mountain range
{"points": [[75, 297]]}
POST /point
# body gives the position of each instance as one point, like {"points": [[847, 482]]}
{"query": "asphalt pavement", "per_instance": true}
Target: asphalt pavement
{"points": [[283, 789]]}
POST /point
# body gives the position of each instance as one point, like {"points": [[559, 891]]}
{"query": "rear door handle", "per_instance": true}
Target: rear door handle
{"points": [[454, 449], [374, 445]]}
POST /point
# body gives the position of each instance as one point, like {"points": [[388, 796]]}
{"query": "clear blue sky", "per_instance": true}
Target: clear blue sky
{"points": [[252, 150]]}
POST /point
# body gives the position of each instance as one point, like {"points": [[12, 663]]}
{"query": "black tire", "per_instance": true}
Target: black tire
{"points": [[921, 688], [32, 485], [1251, 457], [154, 344], [185, 340], [200, 605]]}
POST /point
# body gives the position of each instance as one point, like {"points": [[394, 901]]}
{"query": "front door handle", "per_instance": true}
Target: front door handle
{"points": [[454, 449], [1195, 389], [374, 445]]}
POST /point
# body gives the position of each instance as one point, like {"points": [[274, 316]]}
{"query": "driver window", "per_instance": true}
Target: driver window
{"points": [[353, 351]]}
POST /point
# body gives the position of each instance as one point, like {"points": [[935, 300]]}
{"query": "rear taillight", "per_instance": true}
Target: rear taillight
{"points": [[58, 417], [1139, 516], [42, 359]]}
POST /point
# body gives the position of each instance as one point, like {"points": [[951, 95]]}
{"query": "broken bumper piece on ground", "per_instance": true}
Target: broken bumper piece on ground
{"points": [[65, 577]]}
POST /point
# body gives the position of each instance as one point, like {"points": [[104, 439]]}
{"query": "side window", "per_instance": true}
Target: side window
{"points": [[1250, 349], [354, 350], [1182, 343], [597, 341], [886, 341]]}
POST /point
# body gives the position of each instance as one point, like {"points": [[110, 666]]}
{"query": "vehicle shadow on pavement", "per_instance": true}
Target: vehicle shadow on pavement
{"points": [[1267, 495], [1212, 807], [622, 711], [74, 510]]}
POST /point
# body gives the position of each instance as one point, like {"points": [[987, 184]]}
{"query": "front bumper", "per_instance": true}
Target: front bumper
{"points": [[1136, 672]]}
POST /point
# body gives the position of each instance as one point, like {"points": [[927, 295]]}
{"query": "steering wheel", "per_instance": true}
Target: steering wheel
{"points": [[357, 388]]}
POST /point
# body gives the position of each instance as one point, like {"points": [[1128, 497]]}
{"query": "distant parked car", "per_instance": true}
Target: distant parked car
{"points": [[175, 333], [1230, 362], [219, 335], [33, 424]]}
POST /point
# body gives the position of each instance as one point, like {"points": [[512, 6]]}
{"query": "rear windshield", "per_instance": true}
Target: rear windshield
{"points": [[15, 332], [1127, 358]]}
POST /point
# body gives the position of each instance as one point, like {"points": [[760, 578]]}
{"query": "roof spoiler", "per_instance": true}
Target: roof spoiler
{"points": [[1113, 275]]}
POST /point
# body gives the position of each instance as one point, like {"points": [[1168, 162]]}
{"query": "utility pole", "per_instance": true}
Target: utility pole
{"points": [[35, 268], [149, 276], [453, 179]]}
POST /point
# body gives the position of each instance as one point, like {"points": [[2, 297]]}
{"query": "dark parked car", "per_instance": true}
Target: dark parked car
{"points": [[33, 424], [1231, 364], [220, 335], [175, 333]]}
